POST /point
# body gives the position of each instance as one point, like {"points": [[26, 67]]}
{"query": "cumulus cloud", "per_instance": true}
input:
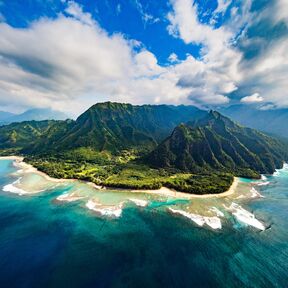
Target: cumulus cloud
{"points": [[254, 98], [266, 71], [70, 62], [56, 60], [219, 62], [258, 64]]}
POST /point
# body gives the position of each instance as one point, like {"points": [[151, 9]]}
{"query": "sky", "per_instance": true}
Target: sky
{"points": [[68, 55]]}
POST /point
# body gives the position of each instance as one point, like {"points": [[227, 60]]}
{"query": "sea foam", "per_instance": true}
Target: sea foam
{"points": [[13, 189], [110, 211], [263, 177], [139, 202], [245, 216], [69, 197], [213, 222], [255, 193], [217, 211]]}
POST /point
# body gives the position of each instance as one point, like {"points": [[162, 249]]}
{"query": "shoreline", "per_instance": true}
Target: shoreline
{"points": [[163, 191], [31, 169], [178, 194]]}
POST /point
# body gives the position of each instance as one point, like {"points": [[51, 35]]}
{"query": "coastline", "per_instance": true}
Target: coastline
{"points": [[163, 191], [177, 194], [19, 162]]}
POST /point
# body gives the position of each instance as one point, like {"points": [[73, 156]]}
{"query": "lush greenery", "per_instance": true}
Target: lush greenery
{"points": [[126, 172], [117, 145], [115, 126], [24, 134], [217, 143]]}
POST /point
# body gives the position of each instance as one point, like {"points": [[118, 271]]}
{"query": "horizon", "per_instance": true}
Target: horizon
{"points": [[74, 116], [68, 55]]}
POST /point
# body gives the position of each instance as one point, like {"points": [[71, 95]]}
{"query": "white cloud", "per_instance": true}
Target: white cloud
{"points": [[219, 58], [254, 98], [221, 9], [70, 63], [266, 73], [146, 17], [222, 6], [225, 68], [173, 58], [75, 10], [280, 10]]}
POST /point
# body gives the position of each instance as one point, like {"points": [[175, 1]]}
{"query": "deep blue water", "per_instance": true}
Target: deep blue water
{"points": [[48, 245]]}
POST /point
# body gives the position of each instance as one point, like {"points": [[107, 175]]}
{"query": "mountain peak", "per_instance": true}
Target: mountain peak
{"points": [[214, 114], [216, 142], [110, 105]]}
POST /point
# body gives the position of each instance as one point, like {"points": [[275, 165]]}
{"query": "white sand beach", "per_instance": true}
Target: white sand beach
{"points": [[177, 194]]}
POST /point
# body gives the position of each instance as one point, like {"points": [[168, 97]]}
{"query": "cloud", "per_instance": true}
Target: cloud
{"points": [[280, 11], [75, 10], [221, 9], [219, 59], [173, 58], [222, 6], [254, 98], [70, 63], [146, 17], [265, 64], [248, 53]]}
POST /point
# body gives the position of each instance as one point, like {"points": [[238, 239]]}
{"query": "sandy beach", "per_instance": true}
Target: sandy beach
{"points": [[164, 191], [27, 168], [173, 193]]}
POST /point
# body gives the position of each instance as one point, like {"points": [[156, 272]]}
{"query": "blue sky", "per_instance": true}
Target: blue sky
{"points": [[68, 55]]}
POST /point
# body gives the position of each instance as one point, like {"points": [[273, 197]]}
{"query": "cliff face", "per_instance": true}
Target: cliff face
{"points": [[216, 142]]}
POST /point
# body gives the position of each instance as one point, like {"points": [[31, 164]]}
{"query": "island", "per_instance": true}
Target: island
{"points": [[146, 147]]}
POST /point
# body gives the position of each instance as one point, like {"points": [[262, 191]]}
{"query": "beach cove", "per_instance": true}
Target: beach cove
{"points": [[204, 210], [149, 229]]}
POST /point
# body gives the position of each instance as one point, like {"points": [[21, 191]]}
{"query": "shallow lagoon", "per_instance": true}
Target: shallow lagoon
{"points": [[49, 243]]}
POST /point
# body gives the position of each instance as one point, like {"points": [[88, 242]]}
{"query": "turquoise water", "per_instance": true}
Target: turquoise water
{"points": [[47, 244]]}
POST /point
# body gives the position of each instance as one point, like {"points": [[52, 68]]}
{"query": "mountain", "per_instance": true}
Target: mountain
{"points": [[115, 126], [269, 121], [5, 115], [200, 142], [217, 143], [21, 135], [32, 114]]}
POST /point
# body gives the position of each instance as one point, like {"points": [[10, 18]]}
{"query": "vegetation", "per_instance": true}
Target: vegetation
{"points": [[217, 143], [117, 145], [129, 174], [115, 127], [20, 135]]}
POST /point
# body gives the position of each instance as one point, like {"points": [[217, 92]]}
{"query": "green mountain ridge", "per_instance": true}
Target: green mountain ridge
{"points": [[215, 142], [115, 127], [23, 134], [146, 147]]}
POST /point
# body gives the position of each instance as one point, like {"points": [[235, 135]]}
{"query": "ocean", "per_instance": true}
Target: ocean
{"points": [[45, 242]]}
